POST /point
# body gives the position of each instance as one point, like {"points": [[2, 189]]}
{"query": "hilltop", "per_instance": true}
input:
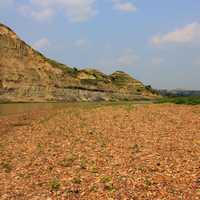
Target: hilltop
{"points": [[26, 75]]}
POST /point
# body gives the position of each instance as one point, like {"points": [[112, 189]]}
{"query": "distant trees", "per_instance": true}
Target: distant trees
{"points": [[154, 91]]}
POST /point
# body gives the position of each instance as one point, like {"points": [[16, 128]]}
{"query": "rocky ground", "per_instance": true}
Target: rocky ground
{"points": [[110, 152]]}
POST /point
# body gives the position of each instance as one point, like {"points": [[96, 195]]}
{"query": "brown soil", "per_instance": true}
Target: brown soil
{"points": [[107, 152]]}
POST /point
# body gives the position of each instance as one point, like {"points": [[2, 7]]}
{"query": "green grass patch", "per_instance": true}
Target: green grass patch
{"points": [[180, 100]]}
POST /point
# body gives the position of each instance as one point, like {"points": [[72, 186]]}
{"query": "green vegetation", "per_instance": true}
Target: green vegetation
{"points": [[153, 91], [120, 78], [68, 162], [89, 82], [94, 188], [66, 69], [83, 164], [127, 104], [76, 180], [98, 78], [55, 185], [180, 100], [108, 184], [147, 182], [136, 149], [94, 169], [39, 148], [6, 166]]}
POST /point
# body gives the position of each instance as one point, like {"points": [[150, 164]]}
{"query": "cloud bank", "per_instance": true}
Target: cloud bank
{"points": [[187, 34], [124, 6], [75, 10]]}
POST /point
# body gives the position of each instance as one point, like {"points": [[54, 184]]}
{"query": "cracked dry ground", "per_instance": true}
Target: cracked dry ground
{"points": [[105, 152]]}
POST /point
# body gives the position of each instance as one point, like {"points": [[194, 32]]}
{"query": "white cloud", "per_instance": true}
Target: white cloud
{"points": [[39, 15], [127, 58], [124, 6], [187, 34], [82, 43], [197, 62], [75, 10], [41, 44], [6, 3], [24, 10], [80, 10], [42, 15], [44, 3], [157, 61]]}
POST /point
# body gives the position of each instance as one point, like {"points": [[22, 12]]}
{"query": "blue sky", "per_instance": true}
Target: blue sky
{"points": [[157, 42]]}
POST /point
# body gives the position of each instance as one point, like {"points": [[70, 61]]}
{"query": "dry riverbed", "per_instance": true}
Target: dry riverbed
{"points": [[111, 152]]}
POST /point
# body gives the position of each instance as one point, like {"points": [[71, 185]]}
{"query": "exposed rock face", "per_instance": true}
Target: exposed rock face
{"points": [[28, 76]]}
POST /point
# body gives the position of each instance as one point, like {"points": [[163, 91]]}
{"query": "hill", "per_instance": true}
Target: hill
{"points": [[180, 93], [28, 76]]}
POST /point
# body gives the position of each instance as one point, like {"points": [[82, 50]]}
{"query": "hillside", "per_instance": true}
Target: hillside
{"points": [[28, 76]]}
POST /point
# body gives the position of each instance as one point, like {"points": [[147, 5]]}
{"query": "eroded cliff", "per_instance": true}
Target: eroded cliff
{"points": [[28, 76]]}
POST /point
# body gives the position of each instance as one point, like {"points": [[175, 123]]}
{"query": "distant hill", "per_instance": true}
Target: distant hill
{"points": [[180, 93], [28, 76]]}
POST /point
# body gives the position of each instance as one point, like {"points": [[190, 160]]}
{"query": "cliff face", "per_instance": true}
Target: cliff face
{"points": [[28, 76]]}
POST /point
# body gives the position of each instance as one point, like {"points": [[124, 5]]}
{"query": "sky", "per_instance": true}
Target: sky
{"points": [[156, 41]]}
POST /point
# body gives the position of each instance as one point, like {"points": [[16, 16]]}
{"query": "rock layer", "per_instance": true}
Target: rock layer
{"points": [[28, 76]]}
